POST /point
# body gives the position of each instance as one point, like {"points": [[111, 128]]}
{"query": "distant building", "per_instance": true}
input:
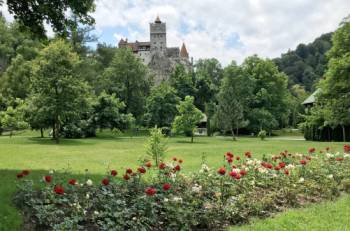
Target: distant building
{"points": [[155, 53]]}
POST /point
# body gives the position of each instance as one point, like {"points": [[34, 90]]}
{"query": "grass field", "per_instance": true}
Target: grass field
{"points": [[332, 216], [26, 151]]}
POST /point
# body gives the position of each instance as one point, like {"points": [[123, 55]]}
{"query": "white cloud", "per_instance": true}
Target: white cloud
{"points": [[264, 27]]}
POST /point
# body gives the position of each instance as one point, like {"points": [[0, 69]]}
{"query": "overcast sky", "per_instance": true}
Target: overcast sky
{"points": [[227, 30]]}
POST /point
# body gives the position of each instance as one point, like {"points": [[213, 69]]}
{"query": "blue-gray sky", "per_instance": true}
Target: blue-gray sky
{"points": [[227, 30]]}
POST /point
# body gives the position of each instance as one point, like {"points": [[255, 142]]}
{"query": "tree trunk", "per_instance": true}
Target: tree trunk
{"points": [[192, 135], [53, 131], [233, 134], [237, 131], [41, 133], [11, 134], [344, 133], [57, 131], [329, 134], [208, 128]]}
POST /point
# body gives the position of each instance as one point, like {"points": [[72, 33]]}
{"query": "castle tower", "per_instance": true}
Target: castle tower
{"points": [[183, 52], [158, 36]]}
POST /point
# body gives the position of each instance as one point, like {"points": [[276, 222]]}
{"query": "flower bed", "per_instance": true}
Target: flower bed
{"points": [[162, 198]]}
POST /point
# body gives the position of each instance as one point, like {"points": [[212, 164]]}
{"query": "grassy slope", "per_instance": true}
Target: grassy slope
{"points": [[326, 216], [96, 154]]}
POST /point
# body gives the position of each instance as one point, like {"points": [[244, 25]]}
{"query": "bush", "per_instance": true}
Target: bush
{"points": [[166, 199], [262, 134]]}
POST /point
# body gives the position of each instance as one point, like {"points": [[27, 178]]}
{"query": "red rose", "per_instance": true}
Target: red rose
{"points": [[174, 159], [181, 161], [72, 182], [243, 172], [177, 168], [114, 172], [150, 191], [222, 171], [162, 166], [286, 171], [237, 177], [269, 166], [166, 186], [303, 162], [282, 164], [58, 189], [129, 170], [277, 168], [238, 158], [25, 172], [148, 164], [20, 175], [347, 148], [126, 177], [229, 159], [105, 181], [233, 173], [312, 150], [229, 154], [48, 179], [248, 154], [141, 170], [339, 159]]}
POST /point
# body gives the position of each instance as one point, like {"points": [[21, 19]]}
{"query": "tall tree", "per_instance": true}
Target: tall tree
{"points": [[161, 106], [33, 14], [59, 86], [107, 112], [188, 118], [182, 82], [129, 79], [233, 99], [270, 90], [335, 94]]}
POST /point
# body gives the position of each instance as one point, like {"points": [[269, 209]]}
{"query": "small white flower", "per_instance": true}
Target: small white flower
{"points": [[196, 188], [204, 168], [134, 218], [301, 180], [177, 199], [89, 182], [346, 155], [330, 176], [166, 199], [84, 212], [329, 155], [51, 172], [96, 213], [87, 196], [290, 166]]}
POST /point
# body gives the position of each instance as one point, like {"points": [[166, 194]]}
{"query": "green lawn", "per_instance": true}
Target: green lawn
{"points": [[26, 151], [327, 216]]}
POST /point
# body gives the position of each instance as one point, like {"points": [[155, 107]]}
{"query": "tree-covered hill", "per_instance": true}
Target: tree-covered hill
{"points": [[307, 63]]}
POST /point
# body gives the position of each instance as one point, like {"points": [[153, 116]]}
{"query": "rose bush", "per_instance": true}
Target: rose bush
{"points": [[153, 197]]}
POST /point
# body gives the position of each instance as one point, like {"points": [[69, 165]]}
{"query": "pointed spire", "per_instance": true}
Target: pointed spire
{"points": [[183, 51], [158, 20]]}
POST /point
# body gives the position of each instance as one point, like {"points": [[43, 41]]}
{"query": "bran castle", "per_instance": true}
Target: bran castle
{"points": [[156, 55]]}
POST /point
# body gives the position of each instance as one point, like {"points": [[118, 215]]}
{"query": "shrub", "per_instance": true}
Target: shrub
{"points": [[166, 199], [262, 134]]}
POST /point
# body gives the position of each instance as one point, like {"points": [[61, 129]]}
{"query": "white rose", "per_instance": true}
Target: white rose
{"points": [[301, 180], [89, 182], [330, 176], [96, 213], [87, 196], [51, 172]]}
